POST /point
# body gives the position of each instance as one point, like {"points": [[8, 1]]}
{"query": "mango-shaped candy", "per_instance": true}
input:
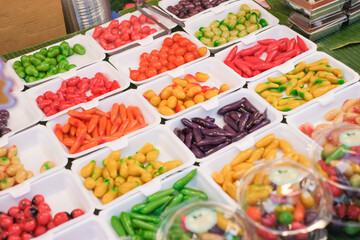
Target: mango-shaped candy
{"points": [[88, 169]]}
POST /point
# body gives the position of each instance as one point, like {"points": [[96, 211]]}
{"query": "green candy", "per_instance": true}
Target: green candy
{"points": [[39, 56], [285, 217], [79, 49], [17, 64], [35, 61], [31, 70], [43, 66]]}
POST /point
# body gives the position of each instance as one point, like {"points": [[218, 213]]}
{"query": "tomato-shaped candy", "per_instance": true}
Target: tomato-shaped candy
{"points": [[179, 60], [176, 37], [189, 56], [14, 211], [6, 221], [39, 230], [162, 69], [19, 218], [61, 218], [134, 74], [30, 212], [144, 55], [168, 42], [29, 225], [37, 199], [14, 237], [4, 235], [15, 229], [180, 51], [76, 213], [50, 225], [151, 72], [44, 207], [43, 218], [26, 236], [156, 64], [184, 42], [141, 77], [191, 47]]}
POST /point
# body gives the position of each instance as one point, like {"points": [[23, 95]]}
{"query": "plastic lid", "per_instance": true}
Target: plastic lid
{"points": [[312, 4], [201, 220], [337, 154], [283, 198]]}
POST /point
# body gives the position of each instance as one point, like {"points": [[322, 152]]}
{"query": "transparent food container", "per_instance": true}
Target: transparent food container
{"points": [[315, 9], [283, 200], [319, 28], [202, 220], [337, 156], [354, 13]]}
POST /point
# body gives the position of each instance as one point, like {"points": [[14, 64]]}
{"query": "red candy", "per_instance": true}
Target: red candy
{"points": [[73, 91], [118, 34], [247, 62]]}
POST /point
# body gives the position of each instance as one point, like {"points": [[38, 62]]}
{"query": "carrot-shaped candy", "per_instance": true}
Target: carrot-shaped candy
{"points": [[76, 122], [115, 126], [122, 110], [100, 113], [102, 125], [59, 132], [122, 127], [79, 115], [88, 145], [95, 132], [68, 141], [79, 140], [92, 123], [114, 112], [132, 129], [138, 115], [129, 114], [66, 127], [108, 127], [72, 131]]}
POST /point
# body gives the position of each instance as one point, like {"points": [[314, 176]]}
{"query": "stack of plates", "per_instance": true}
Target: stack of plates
{"points": [[82, 14]]}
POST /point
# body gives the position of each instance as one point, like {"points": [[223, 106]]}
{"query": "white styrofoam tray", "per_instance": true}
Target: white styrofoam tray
{"points": [[35, 147], [60, 193], [276, 32], [165, 21], [89, 71], [334, 100], [92, 55], [349, 75], [89, 228], [205, 19], [16, 86], [218, 75], [22, 115], [198, 182], [131, 58], [211, 111], [129, 98], [164, 4], [170, 147], [282, 131]]}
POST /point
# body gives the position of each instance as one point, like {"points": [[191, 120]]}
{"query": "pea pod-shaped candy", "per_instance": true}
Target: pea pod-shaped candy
{"points": [[79, 49], [125, 220], [144, 225], [181, 183], [161, 209], [116, 224], [146, 218], [137, 207], [151, 206], [175, 200], [160, 194], [31, 70], [192, 192], [149, 235], [30, 79], [88, 169], [24, 59]]}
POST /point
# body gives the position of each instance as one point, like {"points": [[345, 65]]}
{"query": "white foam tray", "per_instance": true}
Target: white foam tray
{"points": [[198, 182], [129, 98], [165, 21], [35, 147], [274, 117], [59, 192], [334, 100], [205, 19], [164, 4], [22, 115], [104, 67], [16, 86], [170, 147], [276, 32], [282, 131], [92, 55], [131, 58], [349, 75], [89, 228], [218, 75]]}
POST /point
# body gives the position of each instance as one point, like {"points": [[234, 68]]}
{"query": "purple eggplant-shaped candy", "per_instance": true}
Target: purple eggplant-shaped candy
{"points": [[197, 134], [211, 141], [234, 115], [179, 133], [188, 139], [210, 119], [242, 121], [202, 122], [249, 106], [260, 125], [198, 153], [230, 107], [5, 113], [230, 132], [217, 148], [214, 132], [239, 136], [228, 120], [189, 123]]}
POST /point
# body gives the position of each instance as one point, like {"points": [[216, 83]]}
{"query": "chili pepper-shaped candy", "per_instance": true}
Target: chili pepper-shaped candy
{"points": [[151, 206], [262, 66], [125, 220], [181, 183], [267, 41], [291, 44], [116, 224], [233, 67], [301, 44], [231, 55], [250, 51]]}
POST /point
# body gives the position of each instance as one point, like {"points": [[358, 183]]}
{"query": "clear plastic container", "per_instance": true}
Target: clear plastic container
{"points": [[337, 155], [315, 9], [283, 200], [354, 13], [202, 220], [319, 28]]}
